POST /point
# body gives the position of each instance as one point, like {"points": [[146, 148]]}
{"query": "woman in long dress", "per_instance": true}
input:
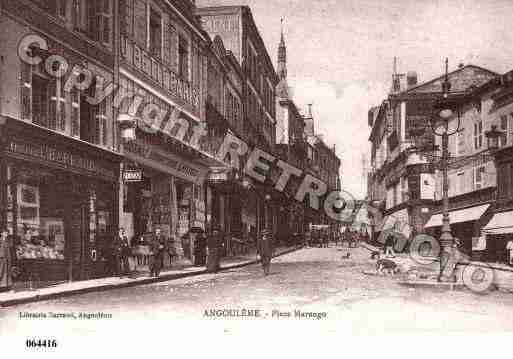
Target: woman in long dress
{"points": [[5, 261]]}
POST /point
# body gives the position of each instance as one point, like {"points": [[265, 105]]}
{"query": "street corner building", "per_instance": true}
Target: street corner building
{"points": [[82, 156], [405, 184]]}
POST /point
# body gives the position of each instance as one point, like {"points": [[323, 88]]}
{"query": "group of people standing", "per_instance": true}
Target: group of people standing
{"points": [[322, 238], [206, 251]]}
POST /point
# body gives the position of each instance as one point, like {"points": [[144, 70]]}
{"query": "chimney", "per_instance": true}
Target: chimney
{"points": [[411, 79]]}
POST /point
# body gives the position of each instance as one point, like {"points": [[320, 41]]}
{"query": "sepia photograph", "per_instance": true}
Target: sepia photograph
{"points": [[179, 177]]}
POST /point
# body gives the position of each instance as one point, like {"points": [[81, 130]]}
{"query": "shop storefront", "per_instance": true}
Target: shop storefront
{"points": [[170, 195], [498, 233], [466, 225], [60, 203]]}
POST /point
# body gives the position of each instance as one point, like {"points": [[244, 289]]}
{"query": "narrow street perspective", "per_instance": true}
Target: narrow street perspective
{"points": [[312, 284], [281, 166]]}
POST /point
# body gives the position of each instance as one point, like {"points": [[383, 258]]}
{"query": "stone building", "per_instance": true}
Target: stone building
{"points": [[236, 27], [403, 182], [59, 155], [163, 60]]}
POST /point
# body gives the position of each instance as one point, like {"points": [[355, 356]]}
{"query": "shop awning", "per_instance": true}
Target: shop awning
{"points": [[501, 223], [458, 216]]}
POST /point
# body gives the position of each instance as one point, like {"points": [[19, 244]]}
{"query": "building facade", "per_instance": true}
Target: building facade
{"points": [[403, 180], [162, 68], [59, 164], [240, 35]]}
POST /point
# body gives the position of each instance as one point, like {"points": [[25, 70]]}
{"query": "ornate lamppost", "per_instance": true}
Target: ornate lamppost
{"points": [[445, 109]]}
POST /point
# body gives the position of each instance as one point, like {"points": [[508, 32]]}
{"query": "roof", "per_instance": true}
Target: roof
{"points": [[477, 76]]}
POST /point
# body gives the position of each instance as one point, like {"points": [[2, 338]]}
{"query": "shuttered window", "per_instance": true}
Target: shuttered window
{"points": [[40, 94], [140, 23], [94, 19], [504, 181], [183, 58], [170, 47], [126, 16], [479, 174], [26, 91], [504, 128], [75, 112], [104, 14], [195, 66], [478, 135], [155, 33]]}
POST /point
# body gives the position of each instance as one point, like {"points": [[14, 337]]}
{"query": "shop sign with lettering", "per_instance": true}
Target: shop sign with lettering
{"points": [[132, 175], [151, 156], [58, 157], [219, 175]]}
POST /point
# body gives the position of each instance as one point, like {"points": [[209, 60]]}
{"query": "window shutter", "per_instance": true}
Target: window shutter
{"points": [[75, 113], [104, 21], [26, 91], [126, 11], [196, 67], [140, 23], [92, 16], [52, 104], [172, 48]]}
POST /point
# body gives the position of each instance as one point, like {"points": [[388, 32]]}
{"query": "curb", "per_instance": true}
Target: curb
{"points": [[106, 287], [500, 286]]}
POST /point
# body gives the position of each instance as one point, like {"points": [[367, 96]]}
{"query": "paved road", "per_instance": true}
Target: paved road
{"points": [[315, 281]]}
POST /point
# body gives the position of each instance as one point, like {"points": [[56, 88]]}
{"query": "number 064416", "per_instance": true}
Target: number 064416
{"points": [[41, 343]]}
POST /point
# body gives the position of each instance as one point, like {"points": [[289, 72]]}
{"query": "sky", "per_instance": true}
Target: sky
{"points": [[340, 55]]}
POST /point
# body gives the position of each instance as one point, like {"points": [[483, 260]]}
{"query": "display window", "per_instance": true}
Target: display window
{"points": [[39, 218]]}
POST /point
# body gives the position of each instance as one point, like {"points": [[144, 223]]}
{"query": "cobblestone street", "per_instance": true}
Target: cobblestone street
{"points": [[312, 280]]}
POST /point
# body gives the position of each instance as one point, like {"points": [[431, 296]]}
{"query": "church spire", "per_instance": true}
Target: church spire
{"points": [[282, 56]]}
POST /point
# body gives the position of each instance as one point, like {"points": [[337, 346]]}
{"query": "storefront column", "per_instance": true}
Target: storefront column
{"points": [[3, 191], [68, 247], [13, 181]]}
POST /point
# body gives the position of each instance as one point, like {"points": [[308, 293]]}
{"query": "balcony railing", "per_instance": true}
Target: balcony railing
{"points": [[160, 73]]}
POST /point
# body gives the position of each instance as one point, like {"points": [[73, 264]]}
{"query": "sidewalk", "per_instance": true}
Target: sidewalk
{"points": [[103, 284], [503, 274]]}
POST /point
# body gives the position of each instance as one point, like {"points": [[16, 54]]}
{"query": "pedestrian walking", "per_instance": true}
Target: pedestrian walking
{"points": [[214, 251], [509, 249], [200, 249], [347, 236], [265, 250], [123, 248], [5, 261], [113, 255], [389, 246], [157, 249]]}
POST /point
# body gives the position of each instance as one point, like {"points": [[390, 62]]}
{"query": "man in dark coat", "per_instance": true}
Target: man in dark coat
{"points": [[214, 251], [265, 250], [200, 249], [123, 249], [158, 247]]}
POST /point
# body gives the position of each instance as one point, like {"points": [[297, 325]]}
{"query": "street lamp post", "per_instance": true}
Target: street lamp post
{"points": [[440, 127], [445, 109]]}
